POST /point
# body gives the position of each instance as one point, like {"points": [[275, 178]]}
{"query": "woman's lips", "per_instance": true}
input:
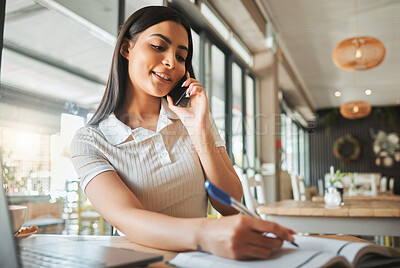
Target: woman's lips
{"points": [[162, 77]]}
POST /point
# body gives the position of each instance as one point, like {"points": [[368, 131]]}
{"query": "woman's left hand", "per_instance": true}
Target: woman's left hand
{"points": [[194, 117]]}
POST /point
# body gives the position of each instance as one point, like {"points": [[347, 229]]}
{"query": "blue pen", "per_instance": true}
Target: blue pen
{"points": [[221, 196]]}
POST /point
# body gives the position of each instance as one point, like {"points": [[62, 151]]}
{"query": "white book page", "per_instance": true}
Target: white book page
{"points": [[312, 252], [350, 251], [288, 258], [343, 248], [316, 243]]}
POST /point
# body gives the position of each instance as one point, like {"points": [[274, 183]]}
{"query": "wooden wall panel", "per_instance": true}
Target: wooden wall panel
{"points": [[322, 139]]}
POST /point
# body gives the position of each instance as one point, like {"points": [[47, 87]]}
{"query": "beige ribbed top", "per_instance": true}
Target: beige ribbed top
{"points": [[161, 168]]}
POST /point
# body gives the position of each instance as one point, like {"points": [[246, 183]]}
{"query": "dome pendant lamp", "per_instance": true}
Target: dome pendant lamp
{"points": [[355, 109], [358, 53]]}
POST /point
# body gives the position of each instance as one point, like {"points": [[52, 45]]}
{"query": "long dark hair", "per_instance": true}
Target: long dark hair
{"points": [[131, 29]]}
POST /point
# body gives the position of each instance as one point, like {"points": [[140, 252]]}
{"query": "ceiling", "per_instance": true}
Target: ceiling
{"points": [[52, 55], [62, 49], [308, 31]]}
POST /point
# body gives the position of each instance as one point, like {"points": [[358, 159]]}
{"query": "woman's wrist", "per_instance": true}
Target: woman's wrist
{"points": [[203, 141], [196, 128], [201, 236]]}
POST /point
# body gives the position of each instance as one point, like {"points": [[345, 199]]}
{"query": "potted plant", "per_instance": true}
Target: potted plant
{"points": [[336, 181]]}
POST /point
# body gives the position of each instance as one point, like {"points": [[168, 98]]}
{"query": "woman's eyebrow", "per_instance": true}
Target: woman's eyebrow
{"points": [[166, 39]]}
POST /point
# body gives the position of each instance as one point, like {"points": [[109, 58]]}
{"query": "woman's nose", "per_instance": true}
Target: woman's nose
{"points": [[169, 61]]}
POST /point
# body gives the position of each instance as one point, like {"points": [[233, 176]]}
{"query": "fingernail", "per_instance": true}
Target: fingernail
{"points": [[183, 85]]}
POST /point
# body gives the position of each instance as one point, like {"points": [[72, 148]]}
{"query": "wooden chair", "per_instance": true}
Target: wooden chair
{"points": [[391, 184], [320, 184], [300, 191], [212, 213], [88, 215], [253, 188], [298, 188], [83, 214]]}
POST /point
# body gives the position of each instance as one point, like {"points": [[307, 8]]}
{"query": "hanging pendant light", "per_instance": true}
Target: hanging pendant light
{"points": [[355, 109], [358, 53]]}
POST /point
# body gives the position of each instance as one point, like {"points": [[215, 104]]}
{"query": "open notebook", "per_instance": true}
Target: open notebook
{"points": [[313, 252]]}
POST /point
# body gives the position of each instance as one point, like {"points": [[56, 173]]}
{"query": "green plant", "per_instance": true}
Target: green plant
{"points": [[336, 179], [8, 171]]}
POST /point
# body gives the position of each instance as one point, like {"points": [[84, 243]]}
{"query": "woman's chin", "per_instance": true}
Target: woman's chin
{"points": [[161, 95]]}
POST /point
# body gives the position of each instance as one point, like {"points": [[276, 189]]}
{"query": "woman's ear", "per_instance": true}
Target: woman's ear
{"points": [[124, 50]]}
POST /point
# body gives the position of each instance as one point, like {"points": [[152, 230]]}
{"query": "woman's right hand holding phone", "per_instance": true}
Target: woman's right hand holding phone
{"points": [[241, 237]]}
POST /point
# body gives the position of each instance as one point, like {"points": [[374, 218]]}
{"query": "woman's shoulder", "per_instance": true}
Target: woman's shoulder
{"points": [[87, 133]]}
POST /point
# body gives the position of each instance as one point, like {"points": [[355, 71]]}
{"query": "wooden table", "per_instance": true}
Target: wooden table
{"points": [[123, 242], [354, 218], [382, 196]]}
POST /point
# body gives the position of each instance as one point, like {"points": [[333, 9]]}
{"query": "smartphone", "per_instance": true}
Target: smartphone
{"points": [[178, 94]]}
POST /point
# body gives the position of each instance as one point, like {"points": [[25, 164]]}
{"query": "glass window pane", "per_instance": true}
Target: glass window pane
{"points": [[307, 158], [289, 145], [301, 152], [26, 161], [283, 142], [217, 77], [196, 54], [237, 128], [34, 133], [207, 70], [295, 145], [250, 123]]}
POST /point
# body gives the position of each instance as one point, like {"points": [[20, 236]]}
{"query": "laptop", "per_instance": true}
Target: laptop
{"points": [[53, 251]]}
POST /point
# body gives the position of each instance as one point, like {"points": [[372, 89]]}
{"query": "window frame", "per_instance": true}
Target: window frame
{"points": [[207, 34]]}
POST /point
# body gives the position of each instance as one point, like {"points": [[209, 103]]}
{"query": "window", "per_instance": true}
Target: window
{"points": [[295, 152], [217, 78], [289, 145], [237, 116], [283, 142], [60, 88], [250, 128], [26, 161], [294, 137], [196, 54], [222, 69], [301, 169]]}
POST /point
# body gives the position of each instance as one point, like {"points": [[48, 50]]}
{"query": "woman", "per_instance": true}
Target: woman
{"points": [[143, 161]]}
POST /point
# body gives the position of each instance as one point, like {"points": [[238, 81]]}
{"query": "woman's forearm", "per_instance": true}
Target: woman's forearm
{"points": [[123, 210], [236, 237], [159, 231], [216, 169]]}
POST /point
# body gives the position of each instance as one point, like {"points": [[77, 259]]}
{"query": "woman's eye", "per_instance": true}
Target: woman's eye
{"points": [[180, 58], [159, 48]]}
